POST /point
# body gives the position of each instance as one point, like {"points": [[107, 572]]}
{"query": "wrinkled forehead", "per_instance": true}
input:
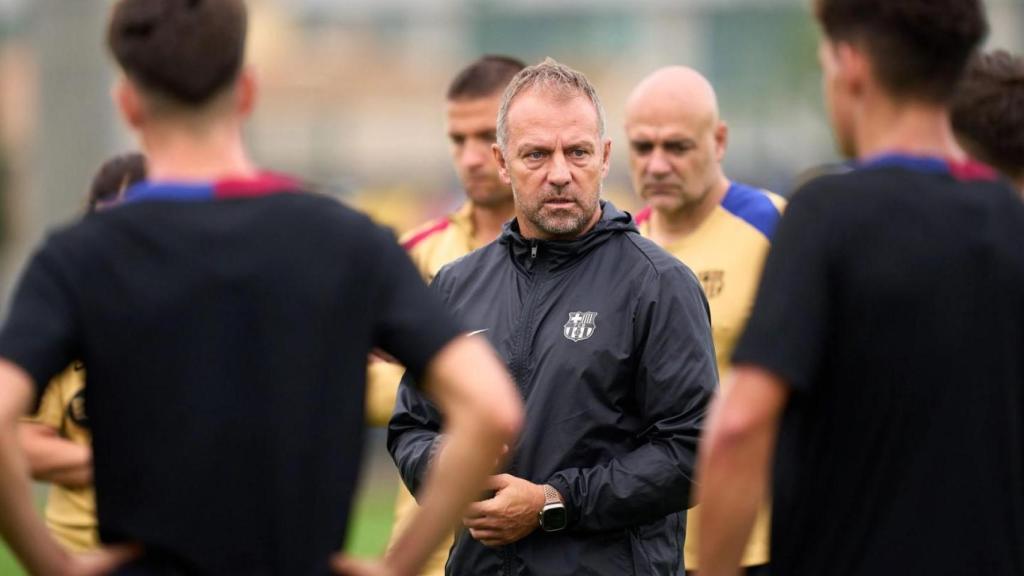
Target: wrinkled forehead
{"points": [[553, 113], [671, 110]]}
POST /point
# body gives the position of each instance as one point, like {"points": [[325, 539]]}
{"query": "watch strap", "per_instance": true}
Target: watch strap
{"points": [[551, 496]]}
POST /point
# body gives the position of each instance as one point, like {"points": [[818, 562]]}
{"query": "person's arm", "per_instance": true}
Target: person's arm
{"points": [[483, 413], [735, 459], [413, 435], [676, 378], [777, 357], [52, 458], [382, 380], [20, 524], [468, 383]]}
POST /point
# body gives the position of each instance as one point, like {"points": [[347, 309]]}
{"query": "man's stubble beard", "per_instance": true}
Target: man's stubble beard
{"points": [[563, 227]]}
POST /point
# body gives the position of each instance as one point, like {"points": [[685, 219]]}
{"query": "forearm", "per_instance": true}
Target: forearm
{"points": [[734, 481], [54, 459], [411, 452], [20, 524], [412, 431], [453, 480], [649, 483]]}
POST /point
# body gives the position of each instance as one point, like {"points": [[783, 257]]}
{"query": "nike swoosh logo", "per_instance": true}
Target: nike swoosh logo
{"points": [[475, 332]]}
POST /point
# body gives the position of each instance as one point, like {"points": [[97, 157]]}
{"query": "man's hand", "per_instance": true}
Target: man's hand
{"points": [[102, 561], [510, 516]]}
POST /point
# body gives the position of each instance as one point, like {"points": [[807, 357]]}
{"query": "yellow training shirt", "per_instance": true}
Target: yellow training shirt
{"points": [[70, 512], [727, 254]]}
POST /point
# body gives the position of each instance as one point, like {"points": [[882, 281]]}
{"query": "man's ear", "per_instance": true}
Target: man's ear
{"points": [[245, 94], [721, 140], [128, 102], [499, 158], [853, 67], [606, 157]]}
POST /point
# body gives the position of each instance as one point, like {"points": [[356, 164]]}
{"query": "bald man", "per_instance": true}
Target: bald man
{"points": [[720, 228]]}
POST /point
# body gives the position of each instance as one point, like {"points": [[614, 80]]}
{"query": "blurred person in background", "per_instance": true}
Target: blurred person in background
{"points": [[609, 341], [880, 375], [719, 228], [225, 316], [471, 119], [988, 113], [56, 438]]}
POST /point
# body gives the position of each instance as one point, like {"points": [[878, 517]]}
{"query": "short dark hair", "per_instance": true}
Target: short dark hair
{"points": [[919, 48], [114, 176], [486, 76], [187, 50], [988, 111]]}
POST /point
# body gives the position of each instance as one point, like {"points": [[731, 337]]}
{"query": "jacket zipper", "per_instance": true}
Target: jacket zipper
{"points": [[519, 367], [525, 328]]}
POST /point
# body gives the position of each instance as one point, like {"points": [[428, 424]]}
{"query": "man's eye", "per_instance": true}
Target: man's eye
{"points": [[642, 148], [578, 153], [535, 155], [677, 147]]}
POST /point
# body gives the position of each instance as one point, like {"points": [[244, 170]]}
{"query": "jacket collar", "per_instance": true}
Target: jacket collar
{"points": [[530, 254]]}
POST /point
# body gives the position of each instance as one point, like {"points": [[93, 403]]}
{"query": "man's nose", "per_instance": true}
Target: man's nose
{"points": [[559, 175], [473, 155], [658, 165]]}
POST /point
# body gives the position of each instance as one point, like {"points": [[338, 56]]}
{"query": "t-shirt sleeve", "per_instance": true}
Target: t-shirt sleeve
{"points": [[788, 325], [412, 324], [40, 333]]}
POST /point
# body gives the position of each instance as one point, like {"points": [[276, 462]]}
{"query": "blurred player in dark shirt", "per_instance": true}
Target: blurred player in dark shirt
{"points": [[881, 370], [225, 316]]}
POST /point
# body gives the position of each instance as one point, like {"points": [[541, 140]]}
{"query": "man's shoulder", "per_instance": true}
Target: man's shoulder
{"points": [[427, 234], [471, 263], [758, 208], [652, 258]]}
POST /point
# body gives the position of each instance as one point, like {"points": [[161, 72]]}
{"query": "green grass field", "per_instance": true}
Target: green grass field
{"points": [[371, 516]]}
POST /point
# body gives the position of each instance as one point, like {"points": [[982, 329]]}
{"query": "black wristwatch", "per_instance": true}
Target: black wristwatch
{"points": [[553, 516]]}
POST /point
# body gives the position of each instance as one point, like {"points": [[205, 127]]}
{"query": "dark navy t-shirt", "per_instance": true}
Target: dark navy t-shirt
{"points": [[225, 328], [892, 304]]}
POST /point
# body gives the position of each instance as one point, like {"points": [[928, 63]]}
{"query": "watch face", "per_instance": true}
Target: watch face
{"points": [[554, 518]]}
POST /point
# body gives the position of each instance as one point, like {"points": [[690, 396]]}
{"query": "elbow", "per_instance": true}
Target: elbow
{"points": [[505, 419], [500, 414], [731, 431]]}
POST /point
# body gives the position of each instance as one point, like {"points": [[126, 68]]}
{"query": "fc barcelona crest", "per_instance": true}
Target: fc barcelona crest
{"points": [[581, 325], [713, 282]]}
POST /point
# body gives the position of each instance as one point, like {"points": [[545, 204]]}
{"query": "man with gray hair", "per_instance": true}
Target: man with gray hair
{"points": [[609, 341]]}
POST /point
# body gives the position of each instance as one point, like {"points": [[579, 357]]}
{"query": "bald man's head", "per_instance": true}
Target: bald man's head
{"points": [[675, 91], [677, 140]]}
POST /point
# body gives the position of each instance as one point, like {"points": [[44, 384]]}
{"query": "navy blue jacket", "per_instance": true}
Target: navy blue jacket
{"points": [[608, 338]]}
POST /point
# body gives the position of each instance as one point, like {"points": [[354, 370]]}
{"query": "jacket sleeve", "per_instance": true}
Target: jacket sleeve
{"points": [[675, 380], [414, 428], [415, 424]]}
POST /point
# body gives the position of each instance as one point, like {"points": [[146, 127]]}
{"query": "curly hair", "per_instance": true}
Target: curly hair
{"points": [[919, 48], [988, 111], [186, 50]]}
